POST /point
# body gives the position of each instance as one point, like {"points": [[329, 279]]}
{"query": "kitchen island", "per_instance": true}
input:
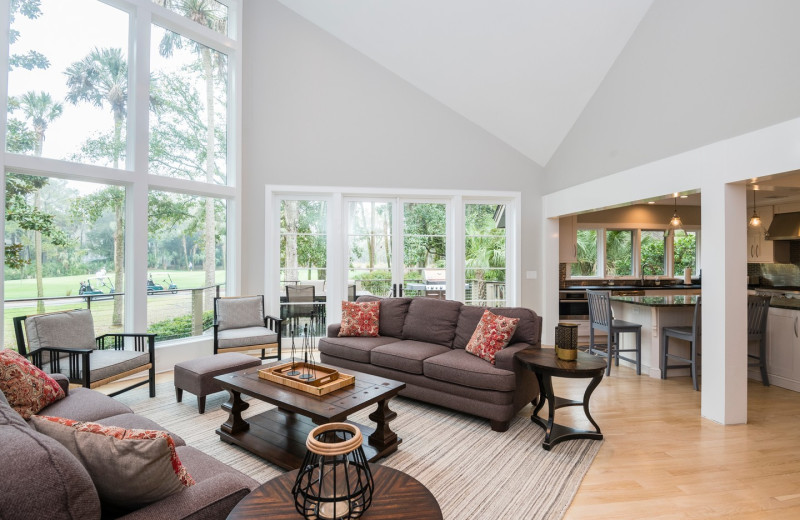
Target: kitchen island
{"points": [[653, 313]]}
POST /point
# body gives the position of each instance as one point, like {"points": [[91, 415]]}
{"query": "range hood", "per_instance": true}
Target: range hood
{"points": [[785, 226]]}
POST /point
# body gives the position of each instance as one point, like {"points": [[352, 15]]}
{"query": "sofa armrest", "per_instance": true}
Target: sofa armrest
{"points": [[214, 497], [505, 357], [333, 330], [63, 382]]}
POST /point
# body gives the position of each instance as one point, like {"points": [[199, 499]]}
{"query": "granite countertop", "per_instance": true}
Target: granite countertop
{"points": [[633, 287], [677, 300]]}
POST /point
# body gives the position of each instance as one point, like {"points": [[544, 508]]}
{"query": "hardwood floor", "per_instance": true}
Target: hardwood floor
{"points": [[661, 460]]}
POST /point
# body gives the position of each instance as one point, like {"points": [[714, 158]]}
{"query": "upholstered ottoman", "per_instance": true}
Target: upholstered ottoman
{"points": [[197, 375]]}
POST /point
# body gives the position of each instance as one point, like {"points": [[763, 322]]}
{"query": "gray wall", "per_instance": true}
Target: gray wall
{"points": [[318, 113], [695, 72]]}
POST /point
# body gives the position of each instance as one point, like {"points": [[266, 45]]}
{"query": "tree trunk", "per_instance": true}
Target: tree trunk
{"points": [[185, 250], [209, 264], [37, 241], [290, 255], [119, 262]]}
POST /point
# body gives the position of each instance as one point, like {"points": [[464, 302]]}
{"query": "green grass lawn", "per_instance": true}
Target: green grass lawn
{"points": [[69, 285]]}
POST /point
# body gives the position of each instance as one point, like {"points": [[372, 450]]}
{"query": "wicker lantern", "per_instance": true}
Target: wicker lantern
{"points": [[567, 341], [335, 481]]}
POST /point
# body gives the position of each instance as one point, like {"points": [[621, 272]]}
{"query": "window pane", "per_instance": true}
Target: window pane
{"points": [[64, 243], [186, 260], [485, 255], [653, 257], [424, 239], [67, 87], [587, 254], [370, 246], [619, 252], [209, 13], [684, 251], [189, 118]]}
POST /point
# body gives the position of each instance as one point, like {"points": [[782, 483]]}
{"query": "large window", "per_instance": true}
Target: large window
{"points": [[684, 251], [77, 93], [485, 254], [619, 252], [653, 253], [68, 88], [587, 254]]}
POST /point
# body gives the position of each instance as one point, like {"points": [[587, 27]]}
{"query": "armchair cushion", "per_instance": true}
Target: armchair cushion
{"points": [[238, 313], [70, 329], [110, 362], [130, 468], [246, 336], [27, 388]]}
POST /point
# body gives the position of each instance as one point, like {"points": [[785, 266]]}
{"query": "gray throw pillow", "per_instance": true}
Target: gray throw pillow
{"points": [[70, 329]]}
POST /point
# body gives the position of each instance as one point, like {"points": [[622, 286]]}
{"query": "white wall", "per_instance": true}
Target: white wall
{"points": [[693, 73], [316, 112]]}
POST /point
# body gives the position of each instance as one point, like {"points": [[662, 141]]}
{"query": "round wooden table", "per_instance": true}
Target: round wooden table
{"points": [[544, 363], [397, 496]]}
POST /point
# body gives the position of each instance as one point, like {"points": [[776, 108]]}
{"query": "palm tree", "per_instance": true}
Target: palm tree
{"points": [[40, 110], [101, 78], [483, 254], [204, 12]]}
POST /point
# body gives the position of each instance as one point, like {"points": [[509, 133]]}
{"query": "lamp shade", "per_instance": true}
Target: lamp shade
{"points": [[335, 481]]}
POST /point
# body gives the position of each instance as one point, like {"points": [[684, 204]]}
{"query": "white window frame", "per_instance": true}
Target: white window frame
{"points": [[134, 175]]}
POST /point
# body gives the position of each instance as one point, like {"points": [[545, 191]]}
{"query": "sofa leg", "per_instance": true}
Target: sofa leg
{"points": [[500, 426]]}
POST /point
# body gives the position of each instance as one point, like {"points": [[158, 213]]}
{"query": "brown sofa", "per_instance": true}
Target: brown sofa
{"points": [[41, 479], [422, 343]]}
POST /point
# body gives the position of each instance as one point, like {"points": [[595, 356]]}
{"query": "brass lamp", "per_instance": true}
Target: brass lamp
{"points": [[567, 341], [335, 481]]}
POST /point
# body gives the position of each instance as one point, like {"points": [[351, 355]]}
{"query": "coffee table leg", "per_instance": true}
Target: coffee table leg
{"points": [[235, 407], [383, 435]]}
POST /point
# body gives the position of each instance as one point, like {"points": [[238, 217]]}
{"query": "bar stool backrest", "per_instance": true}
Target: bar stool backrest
{"points": [[757, 311], [600, 309]]}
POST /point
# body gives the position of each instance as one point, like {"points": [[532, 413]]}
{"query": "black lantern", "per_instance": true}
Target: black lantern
{"points": [[335, 481]]}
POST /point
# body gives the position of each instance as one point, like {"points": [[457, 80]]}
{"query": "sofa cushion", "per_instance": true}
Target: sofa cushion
{"points": [[360, 319], [393, 314], [84, 404], [27, 388], [68, 329], [130, 468], [527, 328], [132, 421], [491, 335], [40, 478], [238, 313], [406, 355], [432, 320], [245, 337], [462, 368], [354, 349]]}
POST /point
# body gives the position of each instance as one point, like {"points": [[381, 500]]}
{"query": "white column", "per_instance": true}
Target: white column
{"points": [[724, 264], [550, 274]]}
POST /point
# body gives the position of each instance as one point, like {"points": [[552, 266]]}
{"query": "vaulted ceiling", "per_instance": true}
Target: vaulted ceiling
{"points": [[521, 69]]}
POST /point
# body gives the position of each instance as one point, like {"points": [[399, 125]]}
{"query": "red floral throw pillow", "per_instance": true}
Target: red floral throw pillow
{"points": [[360, 319], [129, 468], [491, 335], [27, 388]]}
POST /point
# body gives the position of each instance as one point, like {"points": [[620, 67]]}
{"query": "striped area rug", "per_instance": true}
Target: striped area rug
{"points": [[473, 472]]}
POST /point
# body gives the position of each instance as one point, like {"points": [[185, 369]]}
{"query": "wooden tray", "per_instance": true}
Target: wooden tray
{"points": [[325, 380]]}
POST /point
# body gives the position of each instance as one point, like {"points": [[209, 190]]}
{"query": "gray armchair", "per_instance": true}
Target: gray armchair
{"points": [[64, 342], [240, 325]]}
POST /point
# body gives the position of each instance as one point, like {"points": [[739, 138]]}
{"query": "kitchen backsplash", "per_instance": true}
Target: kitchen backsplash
{"points": [[778, 275]]}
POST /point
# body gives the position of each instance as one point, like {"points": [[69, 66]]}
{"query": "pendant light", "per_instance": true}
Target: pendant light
{"points": [[675, 222], [755, 220]]}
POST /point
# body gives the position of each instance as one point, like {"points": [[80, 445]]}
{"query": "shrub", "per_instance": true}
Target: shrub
{"points": [[179, 327]]}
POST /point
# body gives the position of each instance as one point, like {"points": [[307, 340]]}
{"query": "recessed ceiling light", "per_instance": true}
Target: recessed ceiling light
{"points": [[684, 196], [651, 202]]}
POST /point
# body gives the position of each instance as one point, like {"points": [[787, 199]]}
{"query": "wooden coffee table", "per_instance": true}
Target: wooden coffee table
{"points": [[279, 435], [397, 496]]}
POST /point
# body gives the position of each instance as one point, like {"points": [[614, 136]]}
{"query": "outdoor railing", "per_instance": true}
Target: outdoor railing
{"points": [[171, 314]]}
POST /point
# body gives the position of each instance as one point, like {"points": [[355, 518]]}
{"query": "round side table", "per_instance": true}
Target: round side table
{"points": [[397, 496], [544, 363]]}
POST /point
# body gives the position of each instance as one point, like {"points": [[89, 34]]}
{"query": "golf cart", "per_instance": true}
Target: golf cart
{"points": [[90, 292], [153, 287], [172, 285]]}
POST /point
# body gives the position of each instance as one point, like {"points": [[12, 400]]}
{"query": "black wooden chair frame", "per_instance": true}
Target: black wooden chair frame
{"points": [[693, 336], [79, 359], [271, 322]]}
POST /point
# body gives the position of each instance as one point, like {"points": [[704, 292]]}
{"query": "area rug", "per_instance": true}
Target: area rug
{"points": [[473, 472]]}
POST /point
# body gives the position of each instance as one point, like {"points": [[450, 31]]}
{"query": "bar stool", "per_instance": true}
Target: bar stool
{"points": [[686, 333], [601, 318], [757, 313]]}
